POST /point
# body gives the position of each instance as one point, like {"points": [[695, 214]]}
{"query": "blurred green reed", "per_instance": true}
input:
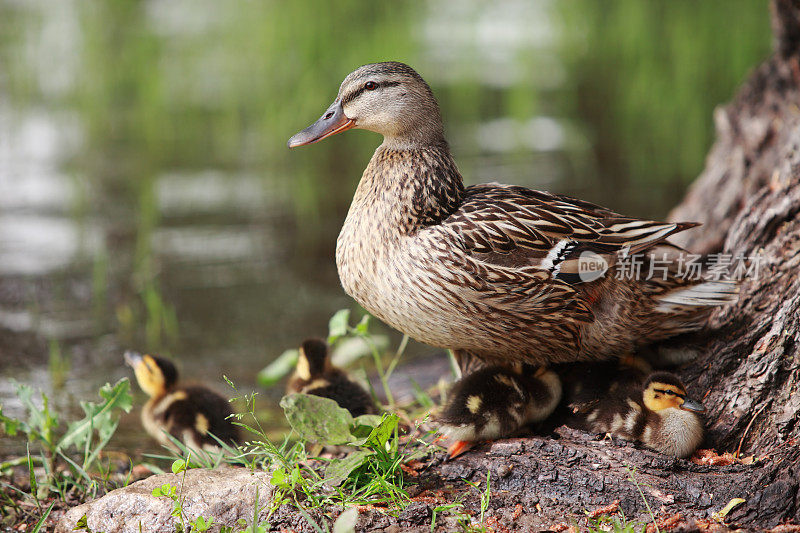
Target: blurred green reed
{"points": [[647, 77]]}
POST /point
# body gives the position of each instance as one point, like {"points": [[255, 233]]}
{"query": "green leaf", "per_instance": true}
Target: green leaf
{"points": [[337, 326], [318, 419], [351, 349], [379, 436], [340, 469], [363, 325], [278, 369], [178, 466], [82, 524], [41, 422], [346, 523], [40, 523], [720, 515], [280, 479], [201, 524], [100, 416], [10, 425], [363, 427]]}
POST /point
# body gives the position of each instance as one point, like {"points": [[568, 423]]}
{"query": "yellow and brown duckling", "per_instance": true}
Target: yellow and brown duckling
{"points": [[492, 271], [190, 413], [657, 413], [315, 374], [496, 402]]}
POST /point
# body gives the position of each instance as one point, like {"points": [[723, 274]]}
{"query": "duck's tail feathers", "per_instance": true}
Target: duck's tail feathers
{"points": [[712, 293]]}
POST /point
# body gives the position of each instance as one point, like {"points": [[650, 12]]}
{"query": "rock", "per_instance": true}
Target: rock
{"points": [[225, 494]]}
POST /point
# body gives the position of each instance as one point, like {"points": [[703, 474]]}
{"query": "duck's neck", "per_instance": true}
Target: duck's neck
{"points": [[410, 187]]}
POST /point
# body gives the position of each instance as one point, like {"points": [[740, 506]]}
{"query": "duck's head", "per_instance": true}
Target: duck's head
{"points": [[388, 98], [155, 375], [313, 360], [663, 390]]}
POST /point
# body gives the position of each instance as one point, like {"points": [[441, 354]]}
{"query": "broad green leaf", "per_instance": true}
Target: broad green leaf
{"points": [[318, 419], [339, 469], [178, 466], [337, 326], [279, 478], [346, 523], [100, 416], [278, 369]]}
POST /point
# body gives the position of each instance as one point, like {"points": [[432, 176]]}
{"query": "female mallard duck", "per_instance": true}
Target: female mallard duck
{"points": [[496, 402], [316, 375], [492, 270], [191, 413], [658, 414]]}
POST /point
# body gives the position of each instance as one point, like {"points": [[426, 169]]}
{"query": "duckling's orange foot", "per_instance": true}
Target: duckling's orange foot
{"points": [[460, 447]]}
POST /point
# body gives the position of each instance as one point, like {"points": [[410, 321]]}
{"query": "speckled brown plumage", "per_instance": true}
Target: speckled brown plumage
{"points": [[488, 270]]}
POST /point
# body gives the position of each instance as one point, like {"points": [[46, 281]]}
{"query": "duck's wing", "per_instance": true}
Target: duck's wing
{"points": [[516, 227]]}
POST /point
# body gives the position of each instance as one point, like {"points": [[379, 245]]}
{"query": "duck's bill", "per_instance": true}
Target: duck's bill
{"points": [[459, 447], [132, 358], [693, 406], [333, 121]]}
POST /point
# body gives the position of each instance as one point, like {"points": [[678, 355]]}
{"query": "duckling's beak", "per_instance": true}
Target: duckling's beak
{"points": [[333, 121], [132, 358], [693, 406]]}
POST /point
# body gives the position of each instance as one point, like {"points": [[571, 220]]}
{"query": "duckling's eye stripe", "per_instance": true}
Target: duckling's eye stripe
{"points": [[355, 94], [671, 393]]}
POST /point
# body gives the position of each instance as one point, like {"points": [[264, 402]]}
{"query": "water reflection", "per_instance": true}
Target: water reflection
{"points": [[147, 200]]}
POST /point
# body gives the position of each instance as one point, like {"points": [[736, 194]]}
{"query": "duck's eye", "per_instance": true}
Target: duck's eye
{"points": [[370, 86]]}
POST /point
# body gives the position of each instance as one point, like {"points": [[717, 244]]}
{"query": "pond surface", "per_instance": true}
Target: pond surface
{"points": [[148, 202]]}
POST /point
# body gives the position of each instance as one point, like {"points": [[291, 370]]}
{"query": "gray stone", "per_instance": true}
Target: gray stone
{"points": [[225, 494]]}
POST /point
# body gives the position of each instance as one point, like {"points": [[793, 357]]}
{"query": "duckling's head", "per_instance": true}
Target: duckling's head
{"points": [[389, 98], [663, 390], [313, 360], [155, 375]]}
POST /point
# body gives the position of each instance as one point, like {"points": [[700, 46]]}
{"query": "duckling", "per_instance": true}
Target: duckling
{"points": [[658, 414], [315, 374], [190, 413], [494, 271], [496, 402], [587, 384]]}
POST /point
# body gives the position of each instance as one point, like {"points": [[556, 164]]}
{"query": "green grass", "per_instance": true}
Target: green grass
{"points": [[64, 464]]}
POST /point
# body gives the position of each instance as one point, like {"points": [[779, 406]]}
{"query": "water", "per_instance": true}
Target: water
{"points": [[147, 200]]}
